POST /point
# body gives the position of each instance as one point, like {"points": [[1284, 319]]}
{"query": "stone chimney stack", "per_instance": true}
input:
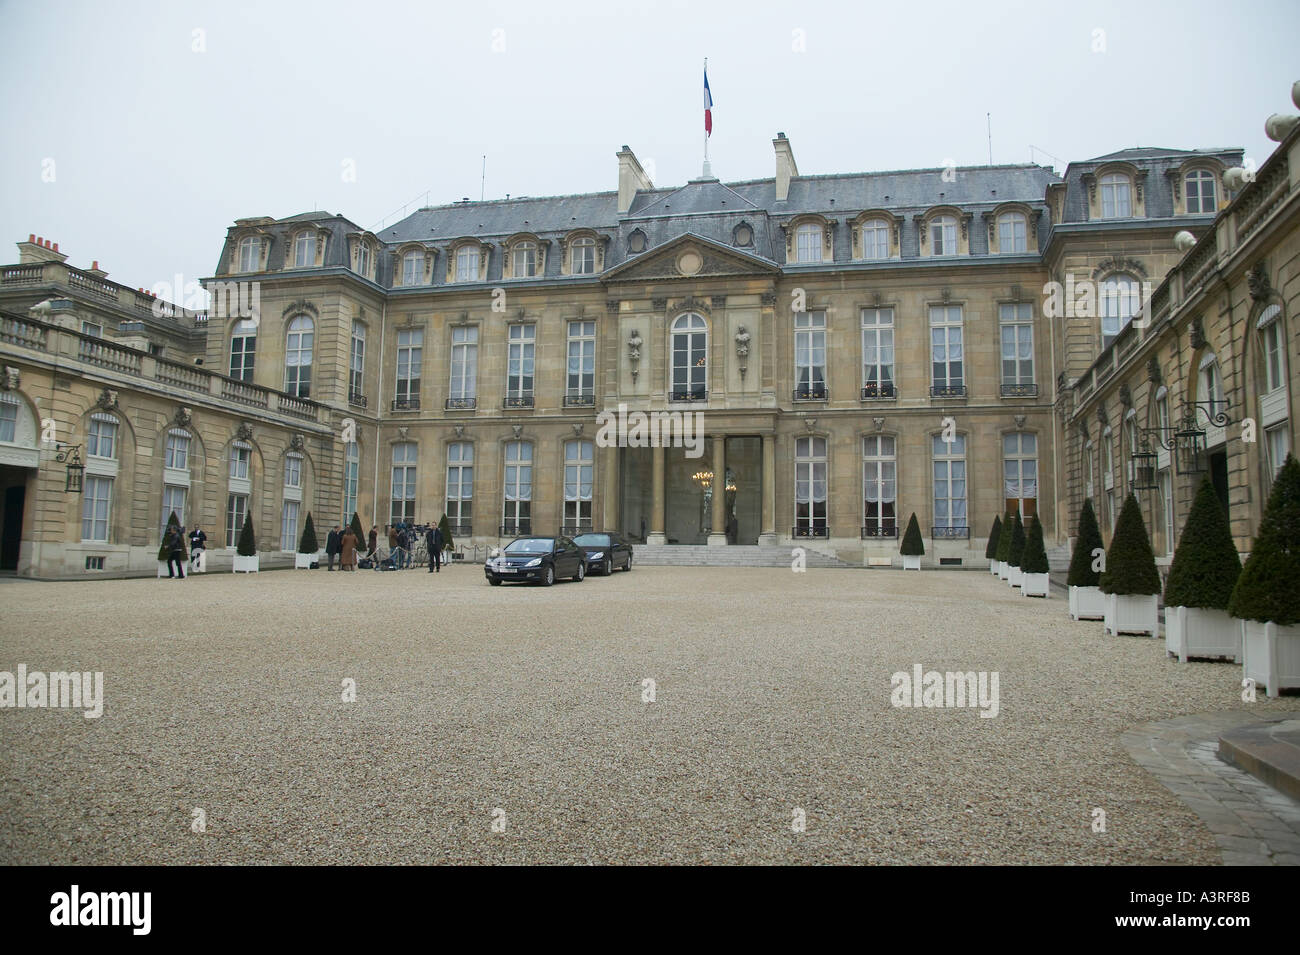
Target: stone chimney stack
{"points": [[39, 249], [785, 167], [631, 177]]}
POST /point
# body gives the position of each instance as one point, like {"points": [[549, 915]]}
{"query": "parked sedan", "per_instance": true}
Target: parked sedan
{"points": [[605, 552], [536, 558]]}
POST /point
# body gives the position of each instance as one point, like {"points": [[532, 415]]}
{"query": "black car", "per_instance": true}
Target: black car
{"points": [[605, 552], [536, 558]]}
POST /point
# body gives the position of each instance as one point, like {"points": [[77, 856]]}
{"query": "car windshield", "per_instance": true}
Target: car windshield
{"points": [[530, 545], [592, 540]]}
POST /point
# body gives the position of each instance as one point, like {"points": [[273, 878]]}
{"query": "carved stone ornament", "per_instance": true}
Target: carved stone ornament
{"points": [[742, 342], [107, 399], [1083, 429], [1153, 371], [810, 424], [9, 381], [611, 306], [1020, 422], [1257, 282], [1196, 334], [659, 304], [577, 428], [1125, 396], [1101, 415], [879, 423], [768, 299], [518, 430], [244, 432], [403, 433], [183, 417], [296, 443], [459, 429], [634, 344]]}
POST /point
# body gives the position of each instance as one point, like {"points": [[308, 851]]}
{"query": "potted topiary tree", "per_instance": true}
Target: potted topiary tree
{"points": [[308, 547], [913, 547], [1004, 546], [448, 548], [1087, 602], [246, 559], [1016, 576], [1267, 597], [991, 550], [1201, 578], [163, 553], [1033, 562], [1130, 580], [357, 532]]}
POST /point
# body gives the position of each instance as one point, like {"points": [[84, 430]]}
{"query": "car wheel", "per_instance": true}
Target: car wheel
{"points": [[548, 576], [494, 581], [582, 571], [627, 568], [606, 566]]}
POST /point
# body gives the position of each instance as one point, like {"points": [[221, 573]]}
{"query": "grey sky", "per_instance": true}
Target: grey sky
{"points": [[157, 148]]}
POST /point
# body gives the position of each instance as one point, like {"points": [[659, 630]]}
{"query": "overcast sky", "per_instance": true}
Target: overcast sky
{"points": [[158, 137]]}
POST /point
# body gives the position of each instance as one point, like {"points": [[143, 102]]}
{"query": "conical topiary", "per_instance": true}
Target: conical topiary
{"points": [[1034, 558], [355, 527], [308, 544], [1017, 542], [247, 546], [1086, 544], [164, 552], [444, 525], [1206, 563], [991, 550], [1004, 538], [913, 545], [1269, 585], [1130, 563]]}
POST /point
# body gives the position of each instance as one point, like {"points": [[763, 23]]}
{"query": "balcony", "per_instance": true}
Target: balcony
{"points": [[885, 530], [812, 393], [1018, 391], [580, 401], [461, 404], [947, 391], [408, 403], [518, 401], [879, 390], [356, 399], [810, 530], [951, 532], [515, 528], [688, 394]]}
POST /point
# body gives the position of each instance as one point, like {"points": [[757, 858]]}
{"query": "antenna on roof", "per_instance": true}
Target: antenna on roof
{"points": [[482, 187], [988, 118]]}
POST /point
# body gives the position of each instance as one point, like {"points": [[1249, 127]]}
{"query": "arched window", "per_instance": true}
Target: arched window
{"points": [[1272, 387], [578, 457], [1020, 473], [1011, 232], [413, 268], [402, 509], [239, 487], [467, 263], [250, 254], [583, 252], [363, 259], [9, 411], [1273, 349], [304, 250], [690, 361], [177, 457], [460, 487], [357, 364], [1200, 190], [517, 514], [1211, 382], [875, 239], [949, 461], [1116, 193], [297, 357], [808, 243], [879, 486], [1088, 470], [243, 349], [943, 235], [101, 436], [523, 260], [1108, 514], [810, 487], [1121, 297]]}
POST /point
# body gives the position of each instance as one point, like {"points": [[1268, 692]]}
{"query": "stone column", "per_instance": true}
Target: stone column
{"points": [[718, 525], [658, 462], [768, 535], [610, 495]]}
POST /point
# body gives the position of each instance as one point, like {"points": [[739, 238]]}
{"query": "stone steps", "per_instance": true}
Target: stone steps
{"points": [[734, 555]]}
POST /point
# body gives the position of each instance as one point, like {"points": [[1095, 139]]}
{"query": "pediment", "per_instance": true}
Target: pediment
{"points": [[690, 256]]}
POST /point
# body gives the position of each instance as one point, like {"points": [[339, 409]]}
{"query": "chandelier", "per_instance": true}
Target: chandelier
{"points": [[703, 478]]}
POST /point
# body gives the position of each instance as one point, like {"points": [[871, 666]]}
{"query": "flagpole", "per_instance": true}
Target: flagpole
{"points": [[706, 132]]}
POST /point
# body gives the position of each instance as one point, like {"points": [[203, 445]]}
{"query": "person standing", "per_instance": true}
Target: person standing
{"points": [[198, 545], [374, 542], [348, 548], [433, 541], [333, 544], [175, 542]]}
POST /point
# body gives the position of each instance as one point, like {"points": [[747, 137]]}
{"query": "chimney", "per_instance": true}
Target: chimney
{"points": [[39, 249], [785, 167], [96, 271], [631, 177]]}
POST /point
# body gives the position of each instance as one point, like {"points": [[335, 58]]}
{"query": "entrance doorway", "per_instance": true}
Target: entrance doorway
{"points": [[14, 482], [1219, 476]]}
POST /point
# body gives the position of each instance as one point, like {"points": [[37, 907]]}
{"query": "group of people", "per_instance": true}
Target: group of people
{"points": [[174, 544], [342, 543]]}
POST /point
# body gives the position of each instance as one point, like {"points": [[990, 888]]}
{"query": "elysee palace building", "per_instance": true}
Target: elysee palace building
{"points": [[861, 347]]}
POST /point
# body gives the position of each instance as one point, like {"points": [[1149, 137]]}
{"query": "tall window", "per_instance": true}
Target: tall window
{"points": [[304, 250], [520, 351], [92, 329], [690, 364], [1162, 412], [351, 478], [1017, 334], [460, 485], [875, 239], [413, 268], [947, 377], [580, 386], [1200, 191], [524, 260], [1088, 471], [177, 456], [1121, 297], [879, 486], [240, 457], [8, 417], [236, 511], [250, 254], [410, 359], [1115, 198], [1108, 478], [289, 526], [467, 263], [517, 509], [1273, 348], [1020, 473], [1211, 382], [243, 349], [877, 353], [578, 457], [810, 487], [464, 365], [1011, 232], [293, 471], [297, 357], [943, 235], [810, 355], [1272, 398], [584, 256], [101, 436], [403, 486], [950, 487], [363, 259], [96, 494], [173, 502], [357, 361], [808, 243], [1277, 443], [1167, 509]]}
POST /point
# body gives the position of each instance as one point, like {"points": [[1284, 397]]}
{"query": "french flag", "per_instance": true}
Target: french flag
{"points": [[708, 106]]}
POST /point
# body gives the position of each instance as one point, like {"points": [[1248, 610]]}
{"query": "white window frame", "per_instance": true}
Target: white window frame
{"points": [[810, 354], [236, 512], [304, 250], [1206, 192], [808, 242], [1120, 299], [948, 472], [413, 269], [943, 236], [460, 483], [580, 370], [1013, 233], [245, 332], [403, 488], [299, 348], [517, 488], [250, 253], [878, 352], [1016, 329], [582, 256], [102, 434], [523, 259], [351, 478], [410, 364], [811, 487], [96, 508], [468, 263], [880, 478], [689, 339], [579, 470], [875, 240], [1020, 470], [357, 360], [289, 525], [169, 494], [947, 336], [464, 363], [1116, 196]]}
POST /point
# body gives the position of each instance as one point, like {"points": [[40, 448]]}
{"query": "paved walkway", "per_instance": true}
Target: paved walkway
{"points": [[1252, 822]]}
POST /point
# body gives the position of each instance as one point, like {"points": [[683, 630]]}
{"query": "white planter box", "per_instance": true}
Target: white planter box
{"points": [[1004, 570], [1197, 632], [1087, 603], [1015, 576], [911, 563], [1271, 655], [245, 565], [162, 568], [198, 562], [1132, 613], [993, 567], [304, 561], [1035, 585]]}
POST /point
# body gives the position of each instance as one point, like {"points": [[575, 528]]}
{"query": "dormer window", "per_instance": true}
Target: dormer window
{"points": [[808, 243], [363, 259], [1199, 187], [524, 260], [413, 268], [636, 241], [304, 250], [1116, 196], [1011, 233], [467, 263], [875, 239], [743, 235], [584, 256], [250, 254], [943, 235]]}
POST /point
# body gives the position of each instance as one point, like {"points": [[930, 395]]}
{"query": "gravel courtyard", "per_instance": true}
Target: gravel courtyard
{"points": [[772, 694]]}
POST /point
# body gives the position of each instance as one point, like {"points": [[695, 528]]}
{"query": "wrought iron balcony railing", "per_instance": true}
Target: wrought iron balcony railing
{"points": [[881, 389], [688, 394], [519, 401], [947, 391], [888, 530], [356, 398], [1019, 391], [461, 404], [409, 403], [951, 532], [579, 401], [811, 393], [810, 530]]}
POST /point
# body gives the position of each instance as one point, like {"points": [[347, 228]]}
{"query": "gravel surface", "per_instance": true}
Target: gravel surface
{"points": [[772, 694]]}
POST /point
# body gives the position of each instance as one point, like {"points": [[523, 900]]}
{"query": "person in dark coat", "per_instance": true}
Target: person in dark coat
{"points": [[198, 544], [175, 541], [348, 550], [433, 541], [333, 545], [374, 542]]}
